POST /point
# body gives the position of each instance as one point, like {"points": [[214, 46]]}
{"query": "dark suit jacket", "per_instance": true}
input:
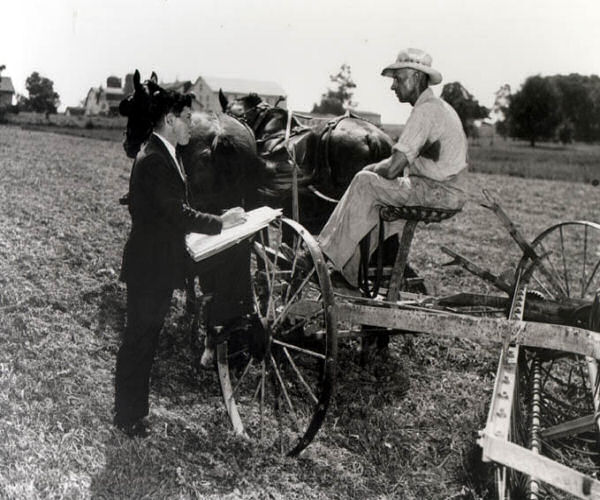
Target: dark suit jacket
{"points": [[155, 255]]}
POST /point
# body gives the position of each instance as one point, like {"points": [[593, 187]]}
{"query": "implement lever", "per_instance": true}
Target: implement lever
{"points": [[527, 249], [477, 271]]}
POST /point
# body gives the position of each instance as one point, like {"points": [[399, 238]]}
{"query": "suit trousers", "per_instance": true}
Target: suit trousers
{"points": [[146, 312]]}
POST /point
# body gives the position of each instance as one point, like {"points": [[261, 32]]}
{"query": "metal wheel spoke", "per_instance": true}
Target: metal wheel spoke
{"points": [[592, 276], [266, 269], [585, 245], [552, 275], [296, 294], [295, 251], [241, 379], [285, 393], [268, 266], [257, 304], [300, 349], [262, 398], [274, 264], [564, 259], [543, 287], [296, 326], [301, 323], [257, 390], [282, 398], [299, 374]]}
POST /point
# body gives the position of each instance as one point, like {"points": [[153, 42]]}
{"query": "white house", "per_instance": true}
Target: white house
{"points": [[7, 91], [206, 90], [105, 101]]}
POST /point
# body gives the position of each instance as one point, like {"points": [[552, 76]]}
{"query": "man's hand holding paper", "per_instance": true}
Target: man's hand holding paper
{"points": [[234, 217]]}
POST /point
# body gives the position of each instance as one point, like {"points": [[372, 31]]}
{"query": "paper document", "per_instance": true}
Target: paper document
{"points": [[201, 246]]}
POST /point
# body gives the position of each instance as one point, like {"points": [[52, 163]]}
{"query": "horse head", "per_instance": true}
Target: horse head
{"points": [[261, 117], [137, 108]]}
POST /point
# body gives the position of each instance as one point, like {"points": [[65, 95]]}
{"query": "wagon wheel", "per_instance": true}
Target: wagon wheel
{"points": [[556, 387], [277, 382]]}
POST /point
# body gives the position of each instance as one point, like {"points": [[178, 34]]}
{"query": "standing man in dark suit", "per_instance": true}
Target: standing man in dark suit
{"points": [[155, 261]]}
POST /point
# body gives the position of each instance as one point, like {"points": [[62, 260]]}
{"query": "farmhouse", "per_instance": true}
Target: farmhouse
{"points": [[206, 90], [105, 101], [7, 91]]}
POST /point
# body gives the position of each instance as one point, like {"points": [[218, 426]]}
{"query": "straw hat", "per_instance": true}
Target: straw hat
{"points": [[415, 59]]}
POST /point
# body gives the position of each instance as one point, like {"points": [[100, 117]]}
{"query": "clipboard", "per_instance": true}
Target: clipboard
{"points": [[201, 246]]}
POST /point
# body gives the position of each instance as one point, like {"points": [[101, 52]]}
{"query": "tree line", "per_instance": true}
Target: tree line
{"points": [[558, 107], [562, 108], [42, 97]]}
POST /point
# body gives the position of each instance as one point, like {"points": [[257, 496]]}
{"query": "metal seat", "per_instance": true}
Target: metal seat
{"points": [[413, 215]]}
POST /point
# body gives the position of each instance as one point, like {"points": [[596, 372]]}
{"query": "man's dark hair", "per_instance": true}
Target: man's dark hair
{"points": [[167, 101]]}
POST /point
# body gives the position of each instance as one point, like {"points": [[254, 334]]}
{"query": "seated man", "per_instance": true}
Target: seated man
{"points": [[426, 167], [155, 261]]}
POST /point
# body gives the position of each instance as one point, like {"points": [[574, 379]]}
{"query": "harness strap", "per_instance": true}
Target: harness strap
{"points": [[324, 169]]}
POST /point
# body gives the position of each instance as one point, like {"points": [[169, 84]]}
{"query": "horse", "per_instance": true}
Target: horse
{"points": [[221, 160], [327, 155]]}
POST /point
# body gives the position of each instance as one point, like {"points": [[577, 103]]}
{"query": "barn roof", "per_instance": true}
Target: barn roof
{"points": [[6, 85], [178, 86], [241, 86]]}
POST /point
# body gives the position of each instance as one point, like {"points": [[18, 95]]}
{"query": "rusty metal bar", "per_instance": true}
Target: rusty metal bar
{"points": [[477, 271]]}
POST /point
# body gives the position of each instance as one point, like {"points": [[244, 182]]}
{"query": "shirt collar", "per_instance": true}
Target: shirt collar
{"points": [[169, 146], [173, 152], [426, 95]]}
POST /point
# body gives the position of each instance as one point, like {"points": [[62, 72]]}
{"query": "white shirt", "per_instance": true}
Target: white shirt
{"points": [[173, 153], [433, 139]]}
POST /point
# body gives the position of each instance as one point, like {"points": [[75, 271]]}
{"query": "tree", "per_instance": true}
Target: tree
{"points": [[534, 111], [465, 105], [577, 106], [339, 98], [500, 109], [42, 98]]}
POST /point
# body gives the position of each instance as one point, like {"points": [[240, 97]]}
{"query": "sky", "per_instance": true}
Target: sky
{"points": [[482, 44]]}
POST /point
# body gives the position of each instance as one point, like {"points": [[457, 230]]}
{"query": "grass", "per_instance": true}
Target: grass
{"points": [[406, 431], [576, 163]]}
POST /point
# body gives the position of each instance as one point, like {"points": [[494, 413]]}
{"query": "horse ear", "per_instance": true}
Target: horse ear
{"points": [[223, 100], [254, 99], [136, 80], [154, 77]]}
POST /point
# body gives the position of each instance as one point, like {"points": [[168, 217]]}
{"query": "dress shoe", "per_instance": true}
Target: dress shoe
{"points": [[138, 428]]}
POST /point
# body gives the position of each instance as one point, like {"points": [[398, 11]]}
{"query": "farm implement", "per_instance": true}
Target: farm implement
{"points": [[542, 428]]}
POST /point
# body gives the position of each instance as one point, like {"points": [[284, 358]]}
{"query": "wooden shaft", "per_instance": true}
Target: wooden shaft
{"points": [[292, 155], [397, 277]]}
